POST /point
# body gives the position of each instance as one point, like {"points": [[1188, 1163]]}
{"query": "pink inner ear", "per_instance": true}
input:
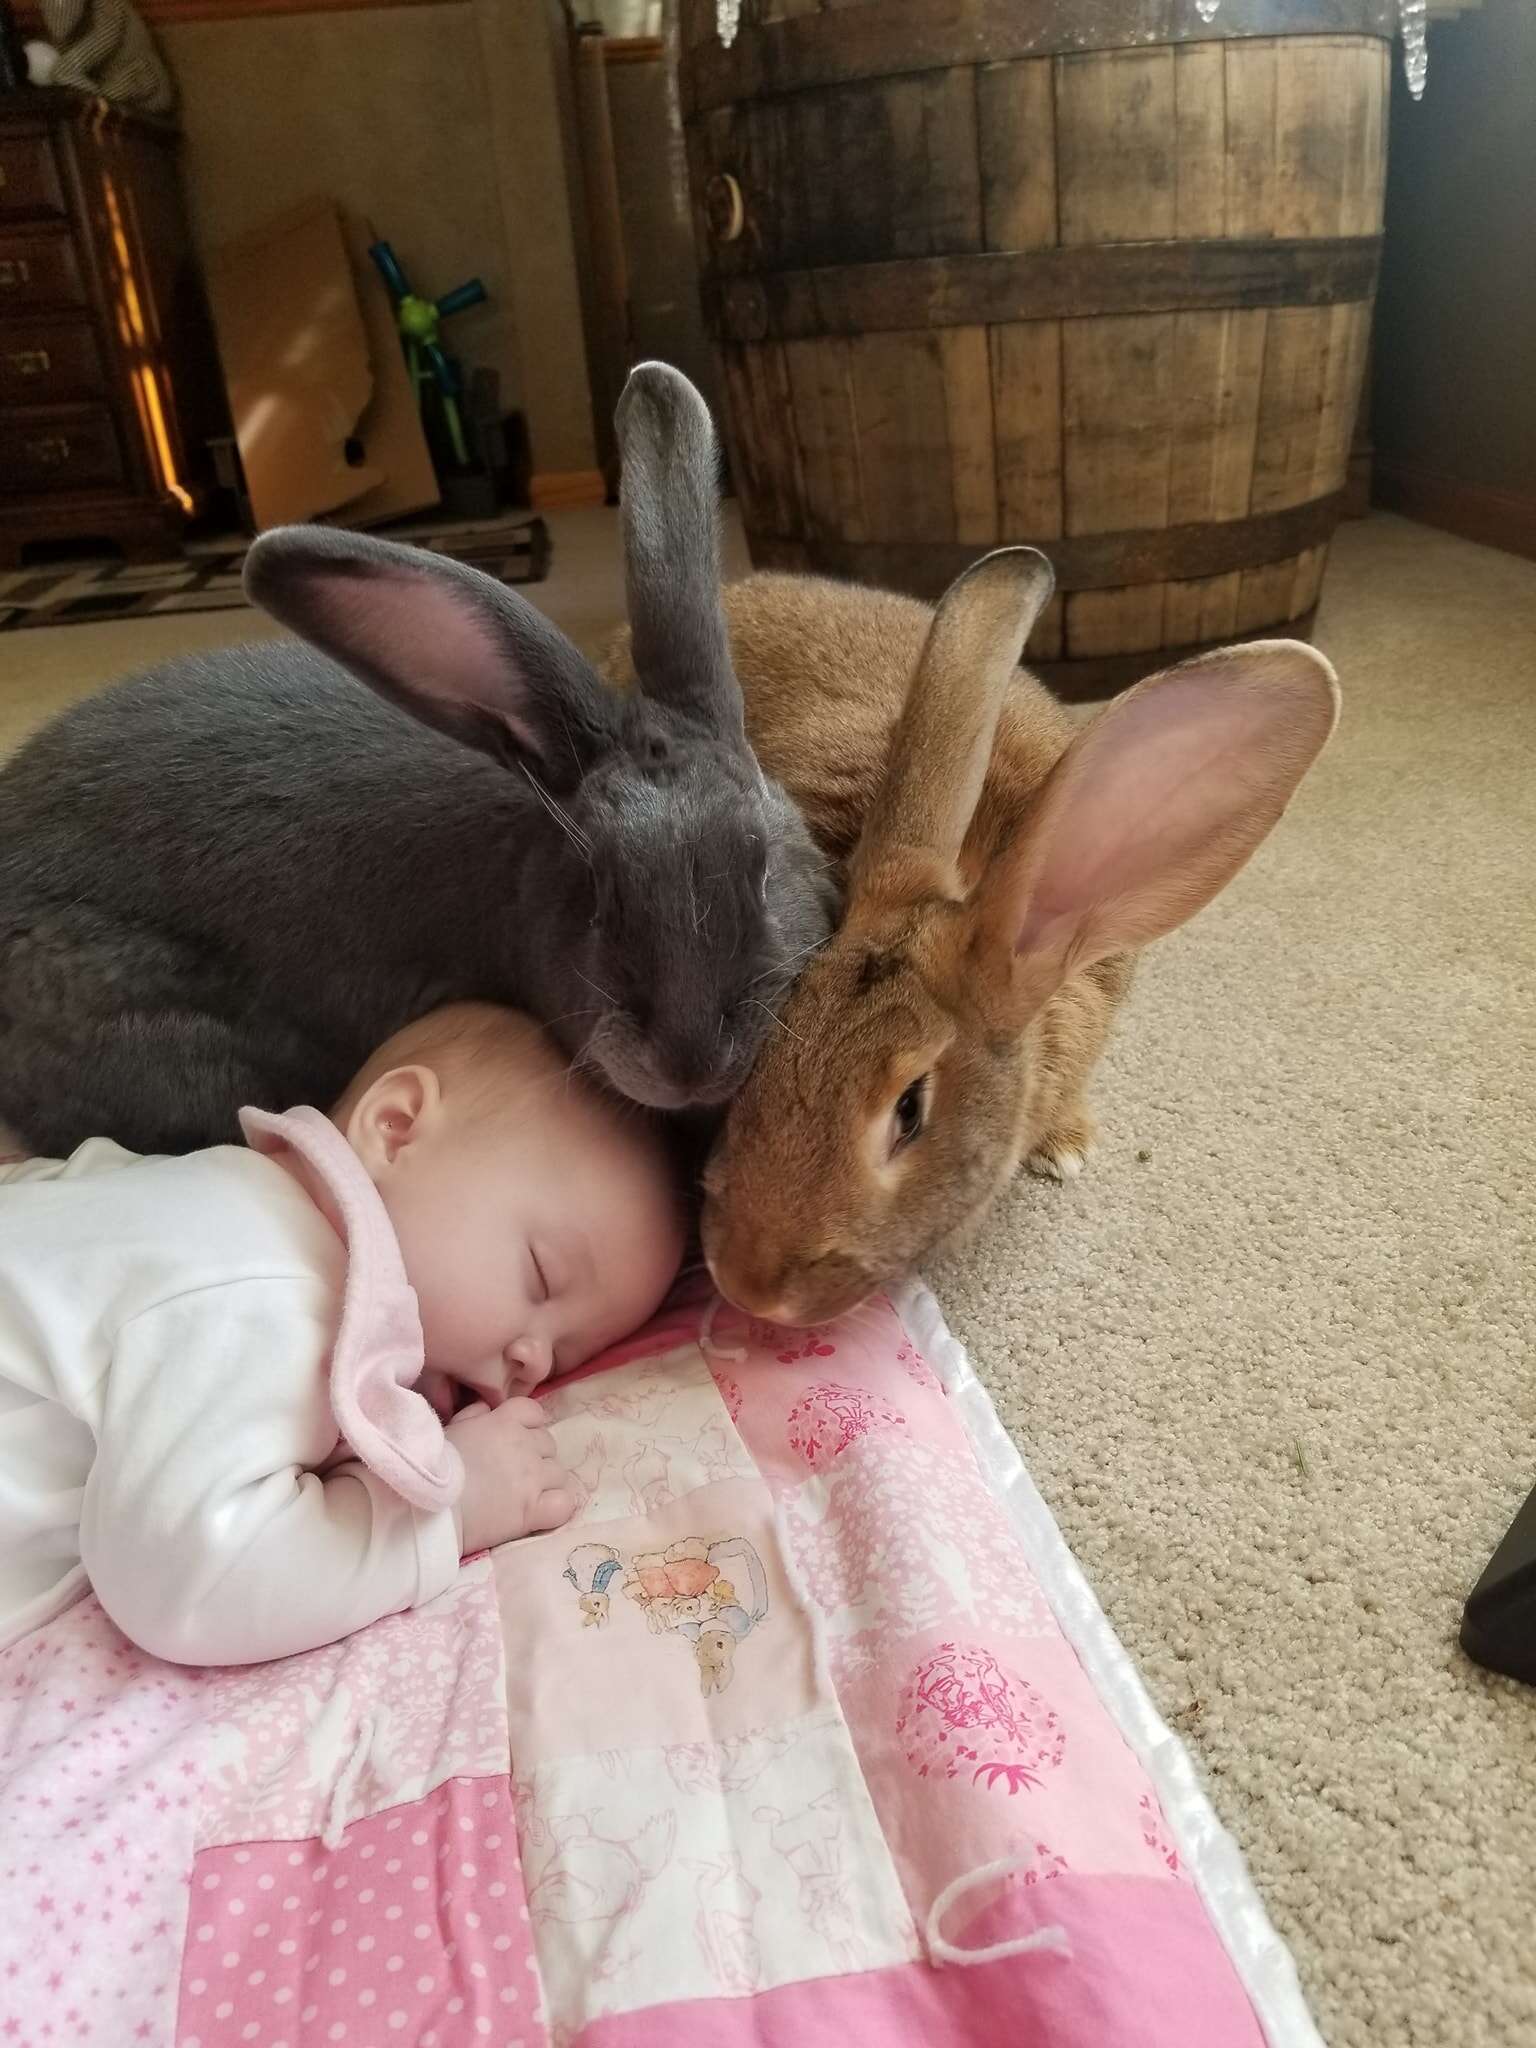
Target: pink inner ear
{"points": [[426, 640], [1160, 802]]}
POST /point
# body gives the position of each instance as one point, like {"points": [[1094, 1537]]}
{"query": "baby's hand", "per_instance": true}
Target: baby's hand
{"points": [[513, 1483]]}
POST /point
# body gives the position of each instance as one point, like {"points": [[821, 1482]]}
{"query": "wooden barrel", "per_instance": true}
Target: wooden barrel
{"points": [[1092, 274]]}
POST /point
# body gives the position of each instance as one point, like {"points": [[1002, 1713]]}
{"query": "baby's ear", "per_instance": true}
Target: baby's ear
{"points": [[391, 1115]]}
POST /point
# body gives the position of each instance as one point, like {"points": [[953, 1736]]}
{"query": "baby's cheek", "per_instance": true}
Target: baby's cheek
{"points": [[462, 1337], [440, 1392]]}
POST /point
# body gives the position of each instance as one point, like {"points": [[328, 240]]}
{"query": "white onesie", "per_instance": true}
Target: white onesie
{"points": [[167, 1331]]}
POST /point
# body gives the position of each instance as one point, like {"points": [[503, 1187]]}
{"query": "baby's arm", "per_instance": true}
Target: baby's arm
{"points": [[204, 1535], [13, 1171], [96, 1155]]}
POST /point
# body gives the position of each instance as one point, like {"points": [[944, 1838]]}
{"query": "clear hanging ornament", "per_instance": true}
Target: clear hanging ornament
{"points": [[677, 147], [1412, 14], [1414, 17]]}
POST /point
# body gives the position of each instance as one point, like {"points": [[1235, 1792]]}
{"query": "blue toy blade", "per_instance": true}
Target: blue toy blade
{"points": [[389, 269], [443, 369], [461, 297]]}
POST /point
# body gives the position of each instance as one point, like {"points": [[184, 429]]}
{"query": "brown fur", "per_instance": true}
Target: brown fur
{"points": [[851, 654], [805, 1215], [825, 669]]}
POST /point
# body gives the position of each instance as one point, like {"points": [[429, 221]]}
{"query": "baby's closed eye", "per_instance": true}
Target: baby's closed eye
{"points": [[539, 1288]]}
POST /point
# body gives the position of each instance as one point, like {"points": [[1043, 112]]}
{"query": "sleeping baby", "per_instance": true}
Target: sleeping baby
{"points": [[224, 1377]]}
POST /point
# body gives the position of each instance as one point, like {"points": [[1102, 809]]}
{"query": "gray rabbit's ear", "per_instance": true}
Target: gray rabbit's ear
{"points": [[450, 645], [670, 507]]}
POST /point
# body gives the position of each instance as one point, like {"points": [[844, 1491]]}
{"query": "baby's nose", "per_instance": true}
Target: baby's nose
{"points": [[530, 1362]]}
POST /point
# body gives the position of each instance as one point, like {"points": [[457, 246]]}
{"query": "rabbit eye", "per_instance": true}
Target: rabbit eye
{"points": [[909, 1115]]}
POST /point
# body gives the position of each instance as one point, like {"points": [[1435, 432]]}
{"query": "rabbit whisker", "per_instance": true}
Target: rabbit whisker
{"points": [[611, 1001], [700, 917], [567, 824], [602, 1031], [776, 1019], [780, 965], [865, 1316], [568, 1016], [586, 1061], [570, 740]]}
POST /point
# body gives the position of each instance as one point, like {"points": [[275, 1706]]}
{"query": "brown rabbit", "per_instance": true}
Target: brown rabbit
{"points": [[1002, 865]]}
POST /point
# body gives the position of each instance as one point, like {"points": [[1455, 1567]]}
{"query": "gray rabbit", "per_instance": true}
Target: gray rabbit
{"points": [[226, 880]]}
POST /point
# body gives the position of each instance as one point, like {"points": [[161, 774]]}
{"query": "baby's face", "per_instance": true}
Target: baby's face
{"points": [[533, 1240]]}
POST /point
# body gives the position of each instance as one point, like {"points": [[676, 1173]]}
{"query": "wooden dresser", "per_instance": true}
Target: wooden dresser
{"points": [[109, 379]]}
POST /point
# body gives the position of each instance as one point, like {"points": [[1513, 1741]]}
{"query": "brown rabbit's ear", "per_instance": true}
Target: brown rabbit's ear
{"points": [[1156, 805], [943, 740]]}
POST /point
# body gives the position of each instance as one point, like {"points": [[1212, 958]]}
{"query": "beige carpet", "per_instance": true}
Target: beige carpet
{"points": [[1275, 1375], [1276, 1378]]}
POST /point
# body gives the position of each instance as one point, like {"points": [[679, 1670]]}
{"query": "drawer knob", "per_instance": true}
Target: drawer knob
{"points": [[14, 270], [51, 449], [30, 362]]}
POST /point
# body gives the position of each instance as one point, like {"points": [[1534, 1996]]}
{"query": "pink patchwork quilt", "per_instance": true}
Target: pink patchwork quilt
{"points": [[806, 1730]]}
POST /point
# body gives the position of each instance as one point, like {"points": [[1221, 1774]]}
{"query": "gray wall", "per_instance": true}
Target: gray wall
{"points": [[1455, 369]]}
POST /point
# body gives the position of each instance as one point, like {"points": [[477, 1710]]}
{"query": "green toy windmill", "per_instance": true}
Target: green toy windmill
{"points": [[420, 323]]}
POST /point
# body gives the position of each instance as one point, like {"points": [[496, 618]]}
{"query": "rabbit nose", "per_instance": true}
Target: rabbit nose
{"points": [[795, 1292], [784, 1310], [697, 1047], [768, 1297], [781, 1309]]}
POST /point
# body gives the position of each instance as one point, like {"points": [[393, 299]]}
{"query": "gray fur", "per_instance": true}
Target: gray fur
{"points": [[678, 638], [225, 881]]}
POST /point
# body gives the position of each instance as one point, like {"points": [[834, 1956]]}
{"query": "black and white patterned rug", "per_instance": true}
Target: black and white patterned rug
{"points": [[206, 578]]}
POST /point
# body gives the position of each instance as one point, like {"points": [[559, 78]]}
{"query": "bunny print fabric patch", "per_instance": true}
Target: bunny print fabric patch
{"points": [[680, 1590]]}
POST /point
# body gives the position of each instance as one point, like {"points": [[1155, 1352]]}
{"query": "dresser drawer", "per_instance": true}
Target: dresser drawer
{"points": [[39, 270], [29, 178], [49, 362], [59, 448]]}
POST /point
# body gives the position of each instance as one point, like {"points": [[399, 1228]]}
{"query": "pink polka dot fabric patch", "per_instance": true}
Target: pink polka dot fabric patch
{"points": [[414, 1932]]}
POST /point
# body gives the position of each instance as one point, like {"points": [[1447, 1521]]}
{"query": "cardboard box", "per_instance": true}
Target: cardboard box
{"points": [[324, 412]]}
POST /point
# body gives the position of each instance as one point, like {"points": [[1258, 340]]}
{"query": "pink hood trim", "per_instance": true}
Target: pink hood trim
{"points": [[378, 1355]]}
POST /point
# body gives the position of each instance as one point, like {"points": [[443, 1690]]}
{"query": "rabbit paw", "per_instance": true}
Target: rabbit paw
{"points": [[1055, 1161], [1062, 1152]]}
